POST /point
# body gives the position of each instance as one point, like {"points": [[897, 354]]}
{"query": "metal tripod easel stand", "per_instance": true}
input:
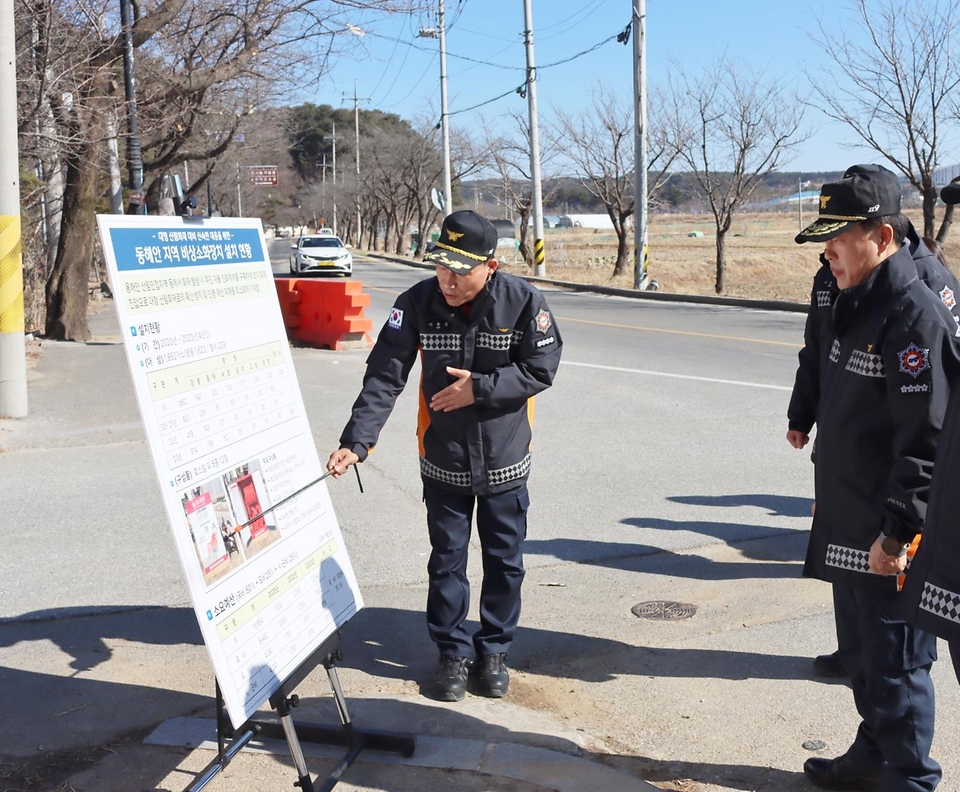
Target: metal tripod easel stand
{"points": [[283, 701]]}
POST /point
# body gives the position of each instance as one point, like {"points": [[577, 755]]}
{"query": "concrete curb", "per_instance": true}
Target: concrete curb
{"points": [[538, 766], [738, 302]]}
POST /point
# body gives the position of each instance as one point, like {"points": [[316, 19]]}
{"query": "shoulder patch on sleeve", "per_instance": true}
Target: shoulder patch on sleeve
{"points": [[543, 321], [948, 298], [396, 319], [914, 360]]}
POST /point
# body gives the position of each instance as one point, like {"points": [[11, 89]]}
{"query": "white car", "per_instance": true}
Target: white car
{"points": [[321, 253]]}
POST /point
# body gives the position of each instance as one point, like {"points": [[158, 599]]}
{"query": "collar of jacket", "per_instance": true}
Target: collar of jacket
{"points": [[890, 276], [481, 303]]}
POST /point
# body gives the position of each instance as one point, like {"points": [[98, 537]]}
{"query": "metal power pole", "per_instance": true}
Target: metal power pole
{"points": [[444, 119], [640, 275], [441, 33], [13, 354], [536, 194], [800, 200], [356, 131], [135, 198], [333, 137]]}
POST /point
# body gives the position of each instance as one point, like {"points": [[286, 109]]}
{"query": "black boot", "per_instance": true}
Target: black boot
{"points": [[493, 678], [451, 677], [841, 773]]}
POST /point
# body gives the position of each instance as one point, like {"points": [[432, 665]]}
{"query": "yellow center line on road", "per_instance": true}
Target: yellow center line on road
{"points": [[681, 332]]}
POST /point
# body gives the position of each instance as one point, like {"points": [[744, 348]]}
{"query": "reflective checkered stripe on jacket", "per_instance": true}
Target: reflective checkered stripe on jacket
{"points": [[452, 342], [440, 342], [499, 341], [851, 559], [835, 351], [941, 602], [867, 364], [462, 479]]}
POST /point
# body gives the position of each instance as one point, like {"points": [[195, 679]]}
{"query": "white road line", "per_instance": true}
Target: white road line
{"points": [[678, 376]]}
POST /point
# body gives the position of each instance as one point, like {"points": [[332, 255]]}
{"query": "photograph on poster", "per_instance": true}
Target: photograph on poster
{"points": [[249, 498], [217, 512], [212, 525]]}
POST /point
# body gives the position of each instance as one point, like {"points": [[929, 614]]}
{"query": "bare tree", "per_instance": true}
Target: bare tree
{"points": [[191, 53], [732, 129], [895, 90], [509, 156], [600, 142]]}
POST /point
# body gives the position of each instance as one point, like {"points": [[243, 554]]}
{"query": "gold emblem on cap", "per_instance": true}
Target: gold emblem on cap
{"points": [[453, 236], [824, 200]]}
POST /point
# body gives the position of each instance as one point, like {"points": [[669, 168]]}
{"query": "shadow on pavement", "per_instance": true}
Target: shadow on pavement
{"points": [[393, 643], [784, 547], [80, 632], [775, 505]]}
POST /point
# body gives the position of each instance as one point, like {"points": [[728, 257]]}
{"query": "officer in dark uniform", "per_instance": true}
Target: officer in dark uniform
{"points": [[487, 343], [802, 411], [932, 590], [890, 358]]}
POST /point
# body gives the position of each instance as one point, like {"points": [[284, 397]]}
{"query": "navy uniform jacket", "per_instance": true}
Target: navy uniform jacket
{"points": [[510, 343], [802, 411], [891, 359], [932, 591]]}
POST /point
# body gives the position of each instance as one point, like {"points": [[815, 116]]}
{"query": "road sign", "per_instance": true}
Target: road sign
{"points": [[263, 175]]}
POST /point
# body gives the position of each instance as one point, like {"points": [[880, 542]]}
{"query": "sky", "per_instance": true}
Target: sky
{"points": [[396, 71]]}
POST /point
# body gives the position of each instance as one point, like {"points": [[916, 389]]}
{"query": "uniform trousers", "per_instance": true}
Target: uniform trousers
{"points": [[889, 662], [501, 529]]}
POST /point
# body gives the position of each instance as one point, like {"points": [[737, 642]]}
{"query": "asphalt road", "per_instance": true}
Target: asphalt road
{"points": [[660, 472]]}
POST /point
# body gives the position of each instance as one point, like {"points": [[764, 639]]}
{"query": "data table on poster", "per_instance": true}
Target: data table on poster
{"points": [[209, 404], [275, 623]]}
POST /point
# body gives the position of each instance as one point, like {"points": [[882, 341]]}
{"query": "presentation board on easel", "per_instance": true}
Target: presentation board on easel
{"points": [[229, 437]]}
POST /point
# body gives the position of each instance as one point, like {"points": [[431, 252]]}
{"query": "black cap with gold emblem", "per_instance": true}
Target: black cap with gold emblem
{"points": [[865, 191], [951, 193], [467, 240]]}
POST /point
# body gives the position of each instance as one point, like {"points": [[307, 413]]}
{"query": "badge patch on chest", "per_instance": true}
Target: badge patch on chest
{"points": [[396, 319], [543, 321], [914, 359]]}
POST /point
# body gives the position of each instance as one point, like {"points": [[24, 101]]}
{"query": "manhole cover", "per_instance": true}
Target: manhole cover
{"points": [[664, 610]]}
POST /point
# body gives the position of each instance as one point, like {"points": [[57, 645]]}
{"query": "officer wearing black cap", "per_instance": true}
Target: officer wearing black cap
{"points": [[487, 343], [891, 356], [802, 410]]}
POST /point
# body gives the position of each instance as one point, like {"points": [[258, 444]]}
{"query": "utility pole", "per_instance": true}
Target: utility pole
{"points": [[444, 118], [441, 33], [536, 194], [333, 137], [356, 130], [640, 275], [800, 200], [13, 354], [135, 198]]}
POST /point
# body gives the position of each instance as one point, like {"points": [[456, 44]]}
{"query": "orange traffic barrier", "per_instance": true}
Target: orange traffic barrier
{"points": [[325, 314], [290, 298]]}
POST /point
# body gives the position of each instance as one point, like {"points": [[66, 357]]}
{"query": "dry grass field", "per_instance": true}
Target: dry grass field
{"points": [[763, 261]]}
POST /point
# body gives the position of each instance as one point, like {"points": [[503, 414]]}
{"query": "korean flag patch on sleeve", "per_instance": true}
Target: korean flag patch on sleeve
{"points": [[396, 319]]}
